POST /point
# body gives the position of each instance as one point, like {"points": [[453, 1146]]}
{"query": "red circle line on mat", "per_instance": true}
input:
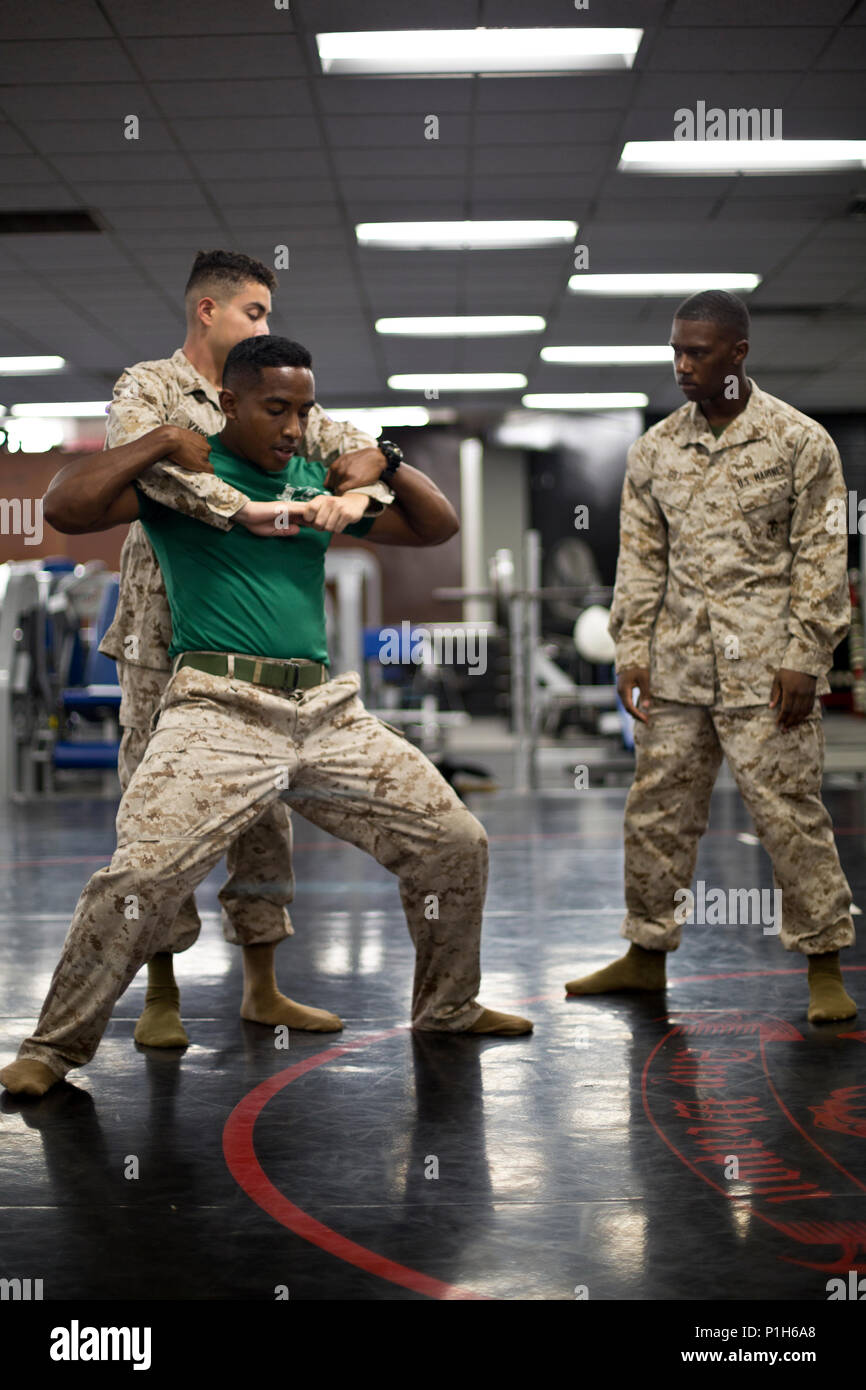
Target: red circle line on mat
{"points": [[244, 1166]]}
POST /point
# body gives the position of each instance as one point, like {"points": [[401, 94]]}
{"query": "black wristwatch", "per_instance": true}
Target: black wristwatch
{"points": [[393, 457]]}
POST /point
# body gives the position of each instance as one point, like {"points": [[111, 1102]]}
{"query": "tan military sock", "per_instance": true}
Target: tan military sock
{"points": [[160, 1024], [638, 969], [263, 1002], [828, 998], [28, 1078], [503, 1025]]}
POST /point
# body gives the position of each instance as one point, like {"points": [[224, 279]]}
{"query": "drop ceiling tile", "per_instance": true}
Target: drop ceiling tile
{"points": [[846, 52], [77, 101], [388, 130], [251, 134], [98, 136], [248, 193], [285, 168], [806, 122], [392, 96], [530, 160], [45, 19], [619, 13], [431, 160], [166, 17], [726, 88], [11, 142], [524, 193], [761, 50], [17, 170], [170, 200], [156, 240], [165, 59], [37, 197], [200, 97], [131, 163], [321, 226], [704, 190], [718, 13], [389, 196], [537, 128], [813, 208], [323, 15], [89, 60], [589, 91]]}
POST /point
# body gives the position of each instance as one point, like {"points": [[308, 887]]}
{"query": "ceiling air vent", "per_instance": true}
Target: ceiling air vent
{"points": [[66, 220]]}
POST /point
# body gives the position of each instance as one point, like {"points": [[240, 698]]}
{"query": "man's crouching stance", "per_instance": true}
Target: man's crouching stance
{"points": [[250, 716]]}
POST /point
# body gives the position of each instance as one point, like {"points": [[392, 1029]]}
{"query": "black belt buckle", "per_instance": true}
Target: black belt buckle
{"points": [[296, 673]]}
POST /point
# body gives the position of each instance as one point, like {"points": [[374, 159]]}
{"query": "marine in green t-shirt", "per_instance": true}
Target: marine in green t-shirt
{"points": [[262, 596], [258, 588]]}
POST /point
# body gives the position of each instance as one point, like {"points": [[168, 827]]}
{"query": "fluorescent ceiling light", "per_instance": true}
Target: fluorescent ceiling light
{"points": [[458, 381], [536, 429], [663, 283], [33, 436], [587, 400], [372, 420], [464, 236], [628, 356], [61, 410], [463, 326], [25, 366], [741, 156], [471, 51]]}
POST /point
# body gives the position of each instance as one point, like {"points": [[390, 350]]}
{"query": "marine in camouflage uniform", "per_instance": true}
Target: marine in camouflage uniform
{"points": [[172, 391], [728, 572], [222, 753]]}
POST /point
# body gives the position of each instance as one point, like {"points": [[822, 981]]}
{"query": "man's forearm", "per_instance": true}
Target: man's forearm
{"points": [[80, 494], [202, 496], [424, 508]]}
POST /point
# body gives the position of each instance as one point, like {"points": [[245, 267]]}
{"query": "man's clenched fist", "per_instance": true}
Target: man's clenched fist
{"points": [[187, 448], [285, 518]]}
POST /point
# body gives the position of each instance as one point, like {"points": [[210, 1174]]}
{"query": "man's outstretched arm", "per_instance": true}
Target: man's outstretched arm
{"points": [[81, 496]]}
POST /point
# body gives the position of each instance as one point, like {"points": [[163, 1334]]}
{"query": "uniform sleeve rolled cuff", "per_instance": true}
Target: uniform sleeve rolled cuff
{"points": [[809, 660], [380, 492]]}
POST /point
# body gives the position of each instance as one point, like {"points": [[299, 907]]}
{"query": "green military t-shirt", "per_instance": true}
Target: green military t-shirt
{"points": [[231, 591]]}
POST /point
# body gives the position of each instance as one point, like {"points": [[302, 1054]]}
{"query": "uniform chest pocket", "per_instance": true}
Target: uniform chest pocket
{"points": [[673, 494], [768, 492]]}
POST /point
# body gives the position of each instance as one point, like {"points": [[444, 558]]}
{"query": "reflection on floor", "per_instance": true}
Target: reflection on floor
{"points": [[595, 1156]]}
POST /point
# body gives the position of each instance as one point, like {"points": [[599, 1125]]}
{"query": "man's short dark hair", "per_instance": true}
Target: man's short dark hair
{"points": [[222, 273], [248, 357], [719, 307]]}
